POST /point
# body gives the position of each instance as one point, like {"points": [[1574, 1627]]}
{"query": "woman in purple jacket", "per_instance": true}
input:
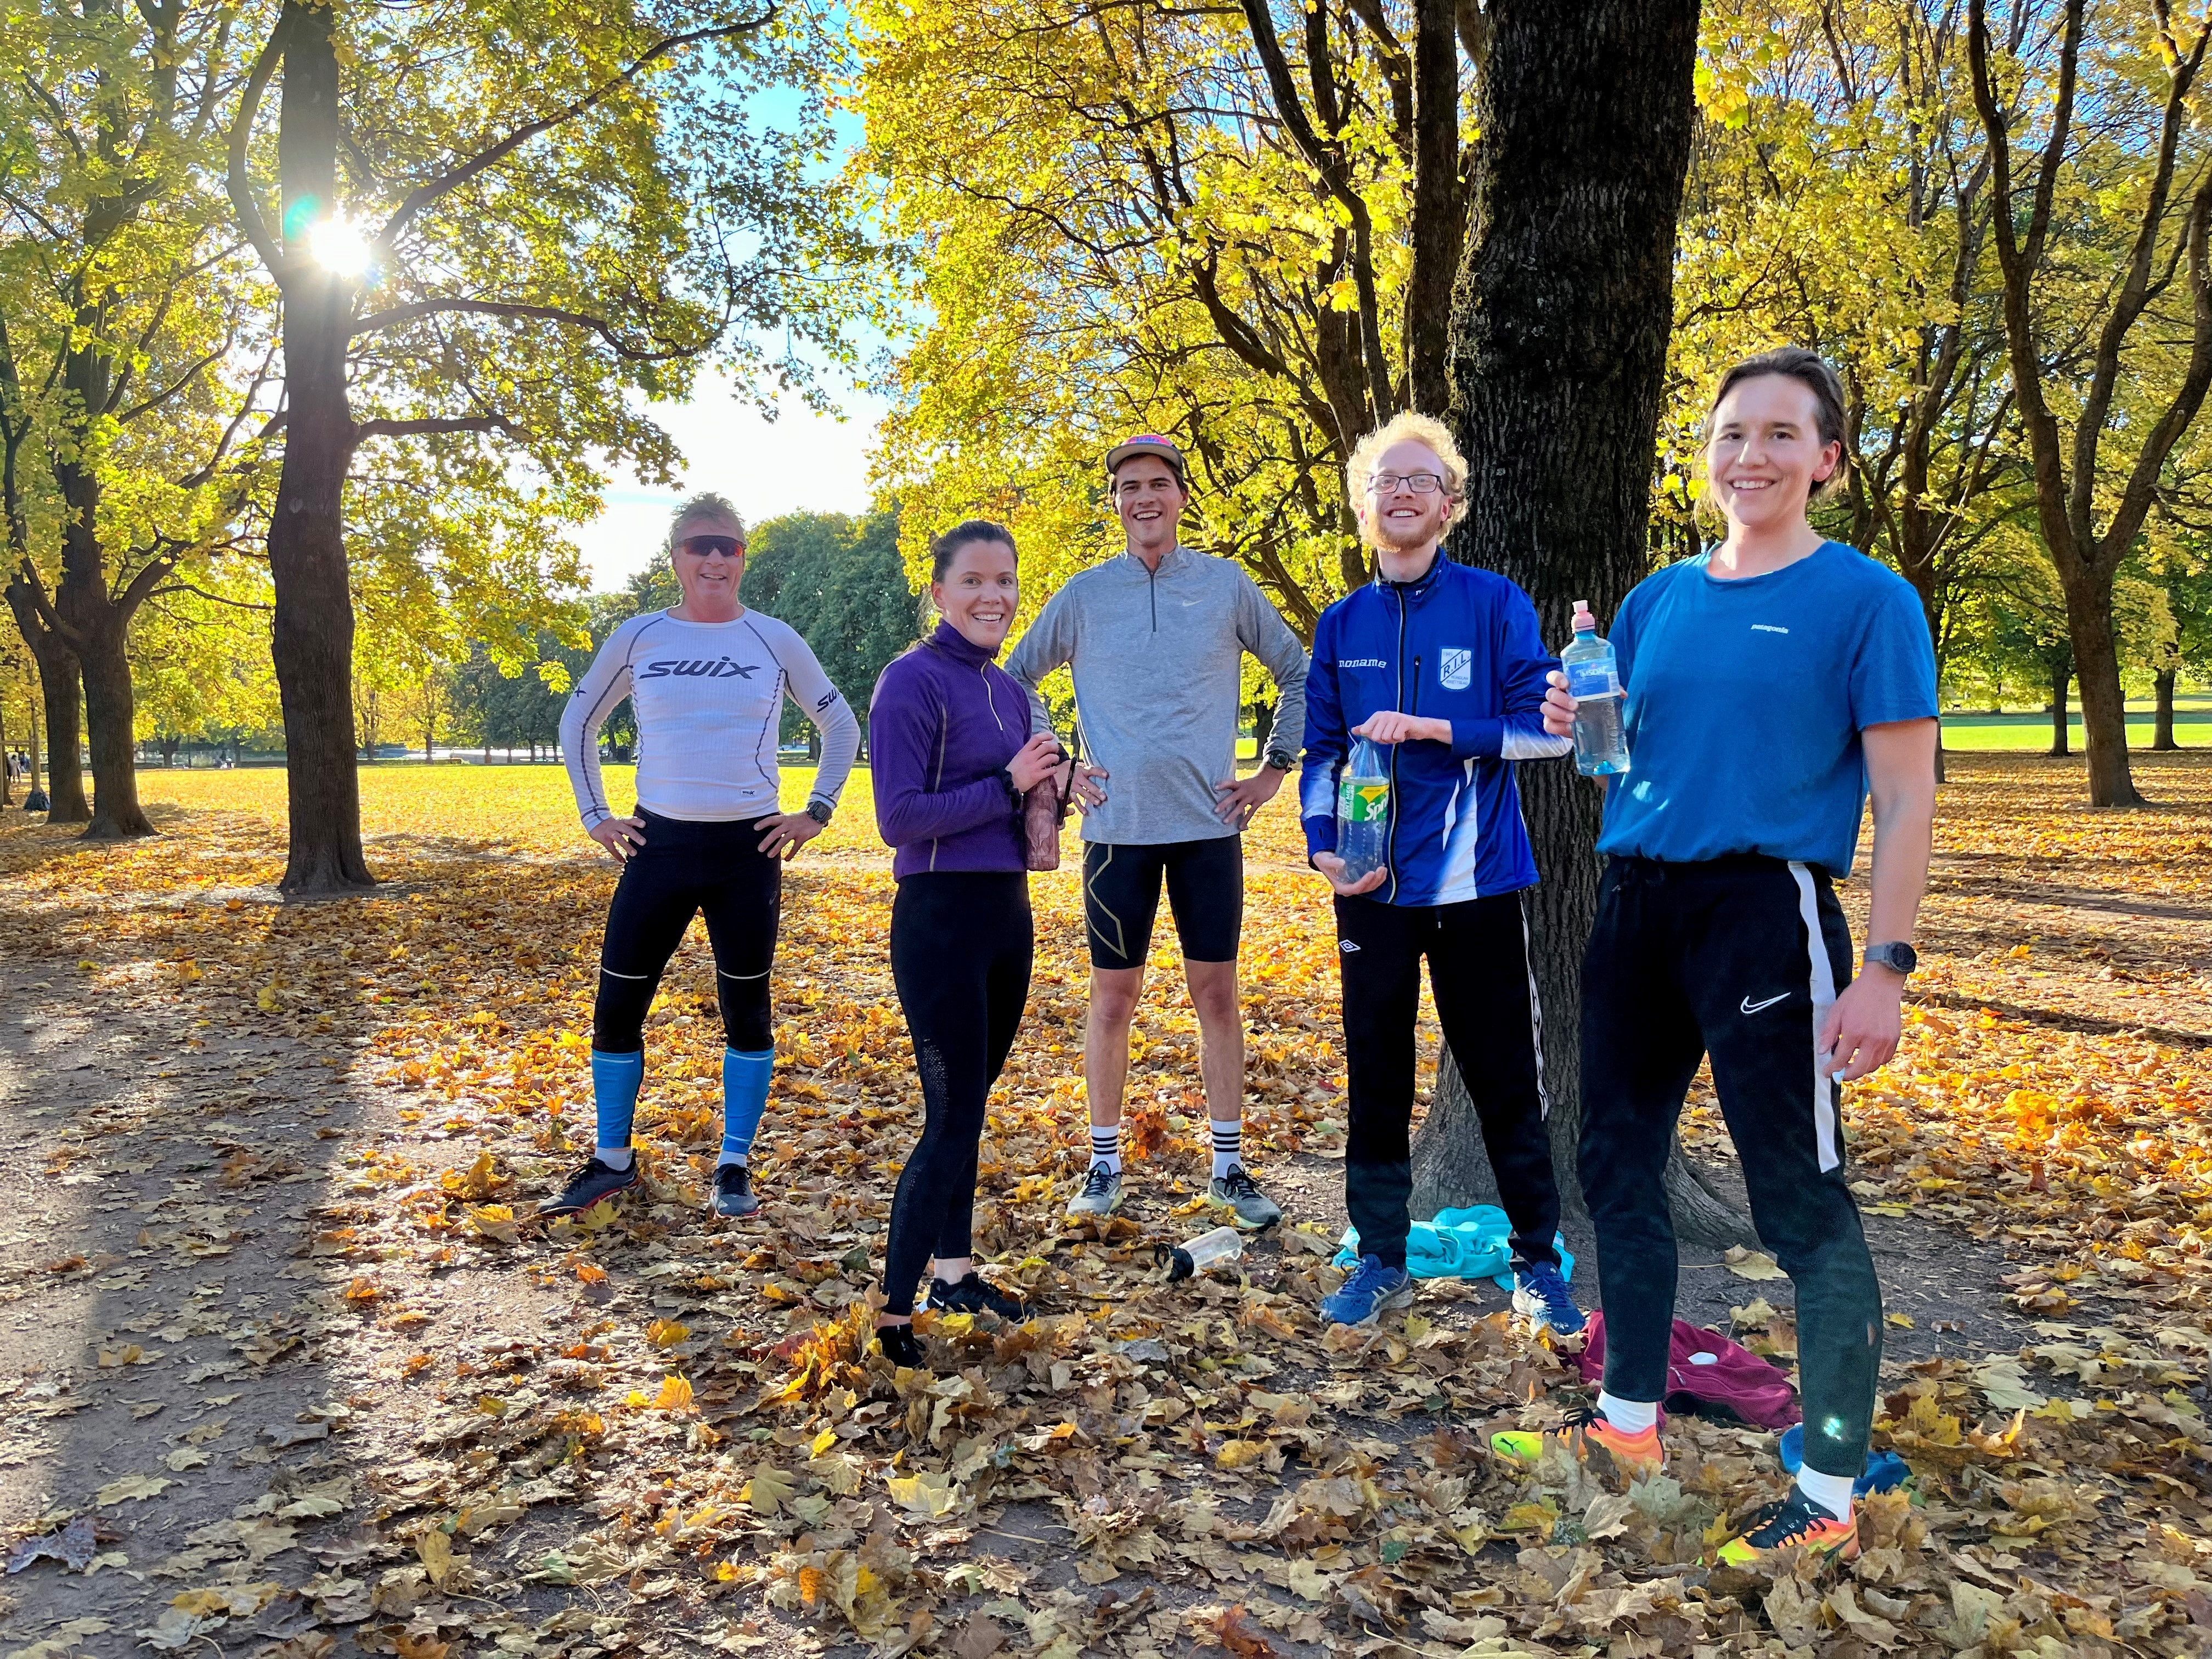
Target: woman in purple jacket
{"points": [[948, 737]]}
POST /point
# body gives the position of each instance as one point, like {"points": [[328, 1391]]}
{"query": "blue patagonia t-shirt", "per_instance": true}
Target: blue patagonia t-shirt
{"points": [[1745, 703]]}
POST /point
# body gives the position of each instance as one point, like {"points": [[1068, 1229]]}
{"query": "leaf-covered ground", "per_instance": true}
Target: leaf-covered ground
{"points": [[285, 1367]]}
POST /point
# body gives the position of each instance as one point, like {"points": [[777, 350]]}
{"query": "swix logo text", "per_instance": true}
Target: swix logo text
{"points": [[719, 668]]}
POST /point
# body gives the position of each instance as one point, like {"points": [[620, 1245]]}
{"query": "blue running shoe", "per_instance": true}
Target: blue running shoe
{"points": [[591, 1183], [1372, 1287], [1541, 1296]]}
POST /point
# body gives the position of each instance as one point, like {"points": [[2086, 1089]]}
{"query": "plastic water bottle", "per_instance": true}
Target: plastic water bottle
{"points": [[1594, 682], [1363, 811], [1206, 1250]]}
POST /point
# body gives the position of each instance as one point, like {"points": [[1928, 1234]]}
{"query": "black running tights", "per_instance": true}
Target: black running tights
{"points": [[960, 955], [683, 869]]}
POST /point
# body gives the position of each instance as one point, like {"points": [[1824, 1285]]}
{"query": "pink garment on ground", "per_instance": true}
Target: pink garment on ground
{"points": [[1734, 1378]]}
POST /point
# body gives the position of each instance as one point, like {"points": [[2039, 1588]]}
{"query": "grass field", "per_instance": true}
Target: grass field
{"points": [[2029, 730]]}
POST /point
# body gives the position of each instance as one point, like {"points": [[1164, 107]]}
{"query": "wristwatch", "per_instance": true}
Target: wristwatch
{"points": [[820, 811], [1281, 759], [1896, 956]]}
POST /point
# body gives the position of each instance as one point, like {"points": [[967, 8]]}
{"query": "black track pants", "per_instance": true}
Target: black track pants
{"points": [[1741, 959], [1478, 955], [683, 869], [960, 956]]}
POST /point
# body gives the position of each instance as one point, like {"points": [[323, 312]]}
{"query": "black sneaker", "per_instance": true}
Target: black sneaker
{"points": [[899, 1345], [592, 1181], [733, 1192], [973, 1295]]}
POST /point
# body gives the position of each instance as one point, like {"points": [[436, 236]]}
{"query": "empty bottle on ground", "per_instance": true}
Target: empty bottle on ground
{"points": [[1594, 682], [1206, 1250], [1363, 811]]}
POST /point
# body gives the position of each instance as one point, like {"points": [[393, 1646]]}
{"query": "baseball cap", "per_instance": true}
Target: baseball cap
{"points": [[1147, 443]]}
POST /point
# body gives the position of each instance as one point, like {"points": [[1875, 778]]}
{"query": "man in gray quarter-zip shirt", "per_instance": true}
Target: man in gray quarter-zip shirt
{"points": [[1155, 639]]}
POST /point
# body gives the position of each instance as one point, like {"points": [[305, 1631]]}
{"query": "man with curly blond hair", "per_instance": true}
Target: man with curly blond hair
{"points": [[1442, 666]]}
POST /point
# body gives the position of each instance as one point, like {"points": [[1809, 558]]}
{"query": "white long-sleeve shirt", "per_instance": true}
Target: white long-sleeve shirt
{"points": [[710, 702]]}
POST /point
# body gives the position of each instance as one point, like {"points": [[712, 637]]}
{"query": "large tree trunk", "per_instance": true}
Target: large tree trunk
{"points": [[312, 632], [111, 715], [97, 623], [1560, 320], [58, 690], [2162, 722], [2062, 676], [2103, 705]]}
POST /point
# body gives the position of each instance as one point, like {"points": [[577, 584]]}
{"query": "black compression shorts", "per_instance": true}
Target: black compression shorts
{"points": [[1206, 892]]}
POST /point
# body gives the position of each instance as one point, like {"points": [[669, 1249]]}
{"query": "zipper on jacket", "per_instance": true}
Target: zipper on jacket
{"points": [[1391, 848], [1153, 592]]}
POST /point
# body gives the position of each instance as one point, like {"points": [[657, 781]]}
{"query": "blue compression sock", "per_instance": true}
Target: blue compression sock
{"points": [[745, 1099], [616, 1079]]}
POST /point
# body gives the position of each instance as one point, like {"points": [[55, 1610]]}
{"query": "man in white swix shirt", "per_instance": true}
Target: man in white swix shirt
{"points": [[711, 694], [708, 680]]}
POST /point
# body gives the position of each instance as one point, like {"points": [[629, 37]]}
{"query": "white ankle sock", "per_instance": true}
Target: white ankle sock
{"points": [[1228, 1146], [615, 1157], [1106, 1145], [1832, 1492], [1631, 1416]]}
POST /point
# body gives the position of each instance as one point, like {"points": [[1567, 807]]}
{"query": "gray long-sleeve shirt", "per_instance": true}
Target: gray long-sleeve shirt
{"points": [[1157, 658]]}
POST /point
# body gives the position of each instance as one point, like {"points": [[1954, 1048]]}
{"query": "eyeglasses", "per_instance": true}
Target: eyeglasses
{"points": [[701, 547], [1421, 483]]}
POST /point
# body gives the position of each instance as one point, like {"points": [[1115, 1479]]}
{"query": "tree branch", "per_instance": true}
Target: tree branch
{"points": [[241, 137], [416, 310], [433, 424], [424, 195]]}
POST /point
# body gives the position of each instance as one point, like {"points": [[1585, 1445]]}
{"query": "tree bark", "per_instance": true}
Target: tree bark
{"points": [[59, 676], [311, 631], [95, 621], [2162, 724], [2097, 673], [2062, 675], [1438, 220], [1560, 320]]}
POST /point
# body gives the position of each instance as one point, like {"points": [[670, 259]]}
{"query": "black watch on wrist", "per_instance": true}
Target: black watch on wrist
{"points": [[820, 811], [1896, 956], [1281, 759]]}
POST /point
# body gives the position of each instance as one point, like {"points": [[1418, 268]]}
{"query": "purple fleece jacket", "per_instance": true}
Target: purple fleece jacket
{"points": [[944, 722]]}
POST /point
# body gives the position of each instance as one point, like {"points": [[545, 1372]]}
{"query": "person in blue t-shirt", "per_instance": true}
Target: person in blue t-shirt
{"points": [[1772, 685]]}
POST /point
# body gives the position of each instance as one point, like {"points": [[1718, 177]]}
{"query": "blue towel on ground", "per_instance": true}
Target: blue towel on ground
{"points": [[1471, 1244]]}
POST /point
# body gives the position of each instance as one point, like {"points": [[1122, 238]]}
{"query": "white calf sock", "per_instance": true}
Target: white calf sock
{"points": [[1832, 1492], [1106, 1145], [1629, 1416]]}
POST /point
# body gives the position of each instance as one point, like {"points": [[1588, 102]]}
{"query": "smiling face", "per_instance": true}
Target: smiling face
{"points": [[1149, 499], [710, 562], [1394, 513], [979, 592], [1765, 455]]}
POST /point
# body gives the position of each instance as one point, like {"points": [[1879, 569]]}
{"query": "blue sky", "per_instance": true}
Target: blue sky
{"points": [[802, 461]]}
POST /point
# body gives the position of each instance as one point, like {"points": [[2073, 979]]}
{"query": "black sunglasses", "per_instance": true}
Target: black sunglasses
{"points": [[700, 547]]}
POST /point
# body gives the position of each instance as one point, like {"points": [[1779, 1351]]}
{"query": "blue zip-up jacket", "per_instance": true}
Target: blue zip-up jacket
{"points": [[1457, 644]]}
